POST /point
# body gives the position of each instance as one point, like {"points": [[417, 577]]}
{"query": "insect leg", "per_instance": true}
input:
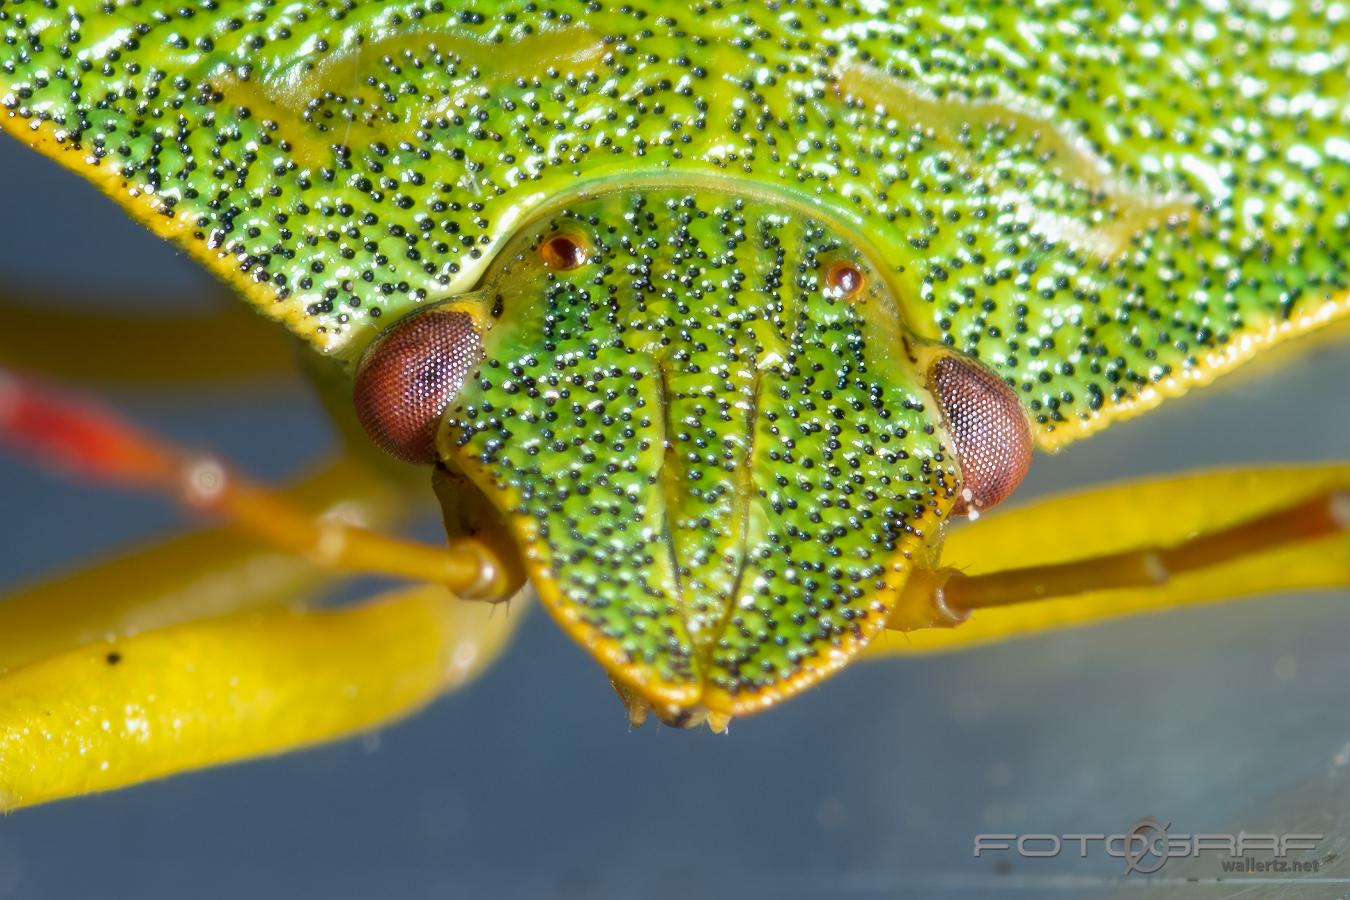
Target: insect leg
{"points": [[115, 713], [212, 572], [91, 442], [172, 349], [1133, 548]]}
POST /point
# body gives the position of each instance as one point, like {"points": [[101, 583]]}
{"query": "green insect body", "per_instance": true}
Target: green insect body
{"points": [[719, 468]]}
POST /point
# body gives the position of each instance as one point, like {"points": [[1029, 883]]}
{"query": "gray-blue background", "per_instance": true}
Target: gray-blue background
{"points": [[530, 784]]}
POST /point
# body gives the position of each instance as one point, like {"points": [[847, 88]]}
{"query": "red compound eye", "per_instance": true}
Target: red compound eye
{"points": [[844, 278], [987, 427], [564, 252], [409, 376]]}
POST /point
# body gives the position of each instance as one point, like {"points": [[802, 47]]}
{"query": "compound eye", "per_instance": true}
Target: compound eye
{"points": [[987, 428], [410, 375], [845, 279], [564, 252]]}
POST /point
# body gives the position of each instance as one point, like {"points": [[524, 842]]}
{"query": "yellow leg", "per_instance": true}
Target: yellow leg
{"points": [[45, 337], [1131, 548], [213, 572], [120, 712]]}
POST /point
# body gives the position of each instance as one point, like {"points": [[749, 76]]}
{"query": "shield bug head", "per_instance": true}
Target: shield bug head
{"points": [[695, 415]]}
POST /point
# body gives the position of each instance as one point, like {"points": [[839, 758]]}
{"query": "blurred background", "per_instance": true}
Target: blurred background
{"points": [[530, 783]]}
